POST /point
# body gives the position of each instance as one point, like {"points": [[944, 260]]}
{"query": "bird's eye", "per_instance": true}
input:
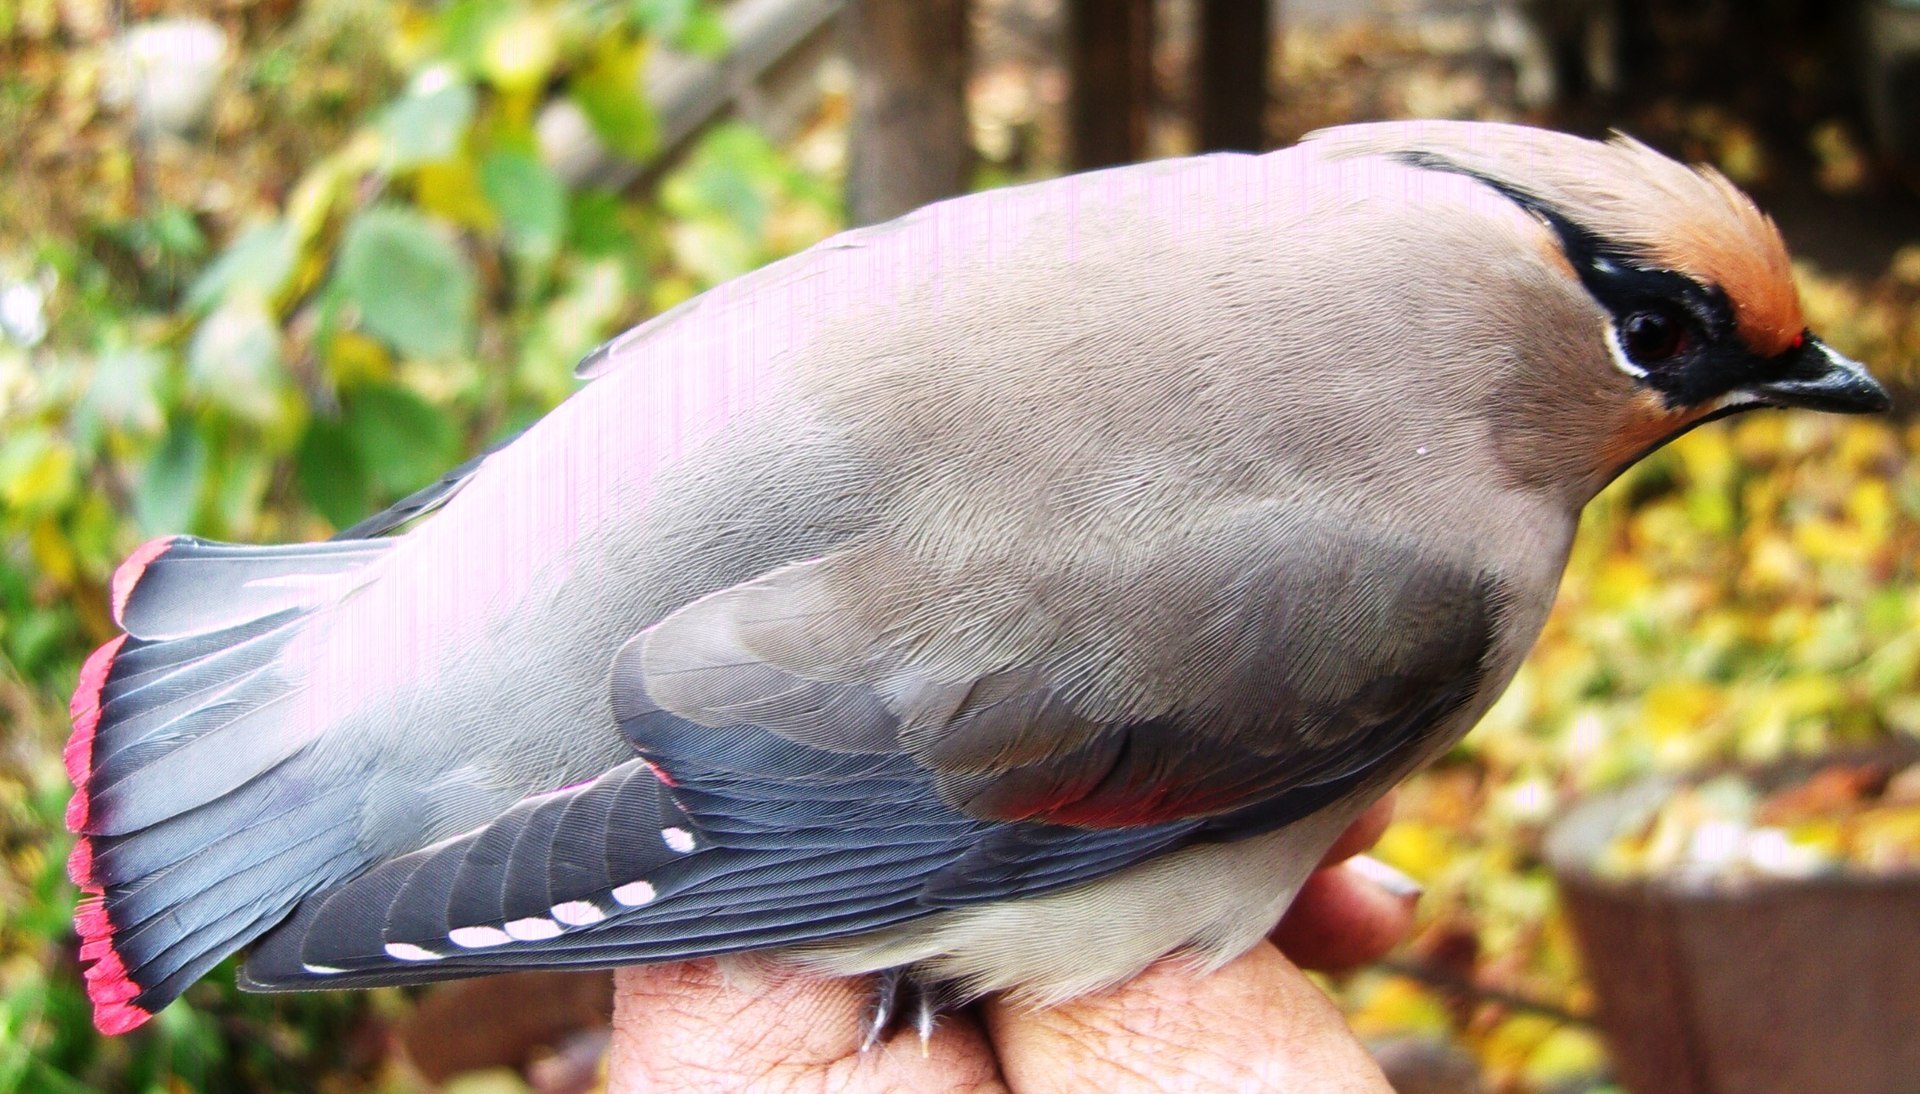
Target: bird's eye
{"points": [[1653, 336]]}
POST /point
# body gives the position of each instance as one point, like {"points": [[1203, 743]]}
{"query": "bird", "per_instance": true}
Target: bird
{"points": [[995, 600]]}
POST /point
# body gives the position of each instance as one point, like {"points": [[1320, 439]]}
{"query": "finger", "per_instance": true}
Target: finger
{"points": [[1363, 833], [1348, 915], [1257, 1024], [693, 1027]]}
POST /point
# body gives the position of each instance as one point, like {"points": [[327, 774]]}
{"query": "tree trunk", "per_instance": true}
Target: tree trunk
{"points": [[1230, 75], [910, 143], [1110, 68]]}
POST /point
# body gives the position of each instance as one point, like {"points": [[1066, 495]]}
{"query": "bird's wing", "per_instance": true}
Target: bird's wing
{"points": [[810, 767]]}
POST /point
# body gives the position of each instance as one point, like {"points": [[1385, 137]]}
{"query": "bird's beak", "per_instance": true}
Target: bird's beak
{"points": [[1815, 377]]}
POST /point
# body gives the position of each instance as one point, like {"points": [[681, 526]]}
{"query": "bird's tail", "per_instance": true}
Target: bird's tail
{"points": [[200, 817]]}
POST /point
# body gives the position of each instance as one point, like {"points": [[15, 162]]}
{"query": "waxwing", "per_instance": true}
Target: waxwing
{"points": [[1011, 594]]}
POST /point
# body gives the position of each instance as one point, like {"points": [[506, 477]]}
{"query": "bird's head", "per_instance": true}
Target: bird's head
{"points": [[1694, 307]]}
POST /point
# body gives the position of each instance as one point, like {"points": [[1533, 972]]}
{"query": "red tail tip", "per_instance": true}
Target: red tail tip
{"points": [[109, 987], [84, 709], [128, 575], [77, 811], [80, 864], [113, 1019]]}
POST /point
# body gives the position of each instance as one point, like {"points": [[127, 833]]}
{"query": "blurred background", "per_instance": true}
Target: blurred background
{"points": [[266, 265]]}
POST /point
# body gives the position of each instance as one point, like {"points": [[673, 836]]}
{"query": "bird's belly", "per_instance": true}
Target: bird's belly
{"points": [[1209, 902]]}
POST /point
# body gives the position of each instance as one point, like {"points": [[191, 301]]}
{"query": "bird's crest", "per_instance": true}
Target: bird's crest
{"points": [[1690, 220]]}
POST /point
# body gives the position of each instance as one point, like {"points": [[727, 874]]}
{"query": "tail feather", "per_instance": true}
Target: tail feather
{"points": [[159, 679], [213, 920], [248, 737], [186, 852], [168, 888], [183, 586]]}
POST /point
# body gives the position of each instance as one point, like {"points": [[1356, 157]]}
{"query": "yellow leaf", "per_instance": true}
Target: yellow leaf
{"points": [[354, 358], [521, 51], [1419, 849], [1567, 1053], [1773, 563], [1888, 838], [313, 197], [1507, 1047], [1870, 508], [451, 189], [1675, 708], [53, 552], [42, 473], [1398, 1005]]}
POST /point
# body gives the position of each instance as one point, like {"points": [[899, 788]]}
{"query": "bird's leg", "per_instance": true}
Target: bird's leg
{"points": [[931, 999], [883, 1002], [900, 998]]}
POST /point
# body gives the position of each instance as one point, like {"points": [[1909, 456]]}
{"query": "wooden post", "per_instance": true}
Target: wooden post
{"points": [[1109, 66], [910, 143], [1230, 74]]}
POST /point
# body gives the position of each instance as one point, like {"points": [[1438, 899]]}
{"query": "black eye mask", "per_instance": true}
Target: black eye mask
{"points": [[1676, 332]]}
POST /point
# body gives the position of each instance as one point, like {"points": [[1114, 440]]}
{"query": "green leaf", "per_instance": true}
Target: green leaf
{"points": [[729, 176], [234, 359], [465, 26], [125, 389], [611, 94], [412, 286], [38, 471], [244, 477], [597, 225], [705, 35], [430, 121], [260, 261], [531, 201], [168, 495], [175, 233], [687, 25], [400, 439], [328, 470], [663, 18]]}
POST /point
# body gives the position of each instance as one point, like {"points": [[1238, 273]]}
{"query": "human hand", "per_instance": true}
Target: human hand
{"points": [[1257, 1024]]}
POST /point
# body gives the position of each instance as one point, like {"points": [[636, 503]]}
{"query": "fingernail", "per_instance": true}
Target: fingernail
{"points": [[1388, 878]]}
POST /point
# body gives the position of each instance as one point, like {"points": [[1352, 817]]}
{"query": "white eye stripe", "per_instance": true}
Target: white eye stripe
{"points": [[1619, 353]]}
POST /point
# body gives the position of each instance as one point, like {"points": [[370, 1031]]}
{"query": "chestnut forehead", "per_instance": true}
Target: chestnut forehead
{"points": [[1721, 240], [1766, 311]]}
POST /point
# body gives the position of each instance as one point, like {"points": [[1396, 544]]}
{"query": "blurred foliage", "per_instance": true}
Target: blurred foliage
{"points": [[360, 270]]}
